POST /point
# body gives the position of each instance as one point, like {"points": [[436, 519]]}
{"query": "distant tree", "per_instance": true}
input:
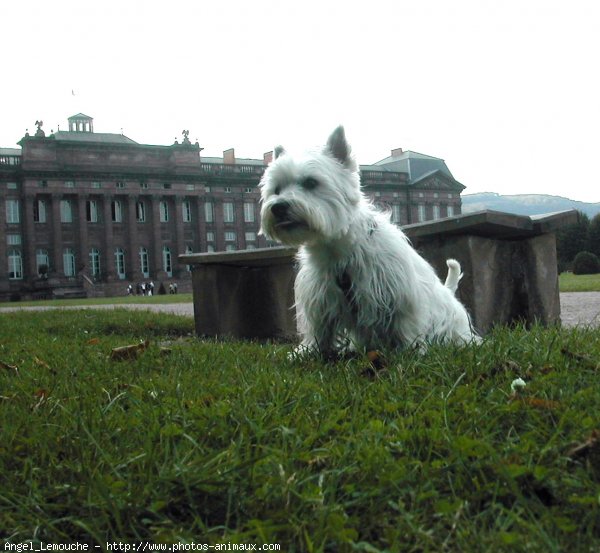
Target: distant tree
{"points": [[586, 263], [571, 240], [594, 235]]}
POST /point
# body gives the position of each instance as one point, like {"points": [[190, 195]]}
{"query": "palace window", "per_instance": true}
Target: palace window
{"points": [[187, 211], [167, 261], [66, 211], [15, 264], [140, 212], [120, 263], [421, 213], [209, 212], [164, 212], [91, 211], [42, 262], [436, 212], [116, 208], [144, 265], [188, 250], [249, 212], [39, 211], [12, 211], [69, 262], [95, 262], [228, 212], [450, 211]]}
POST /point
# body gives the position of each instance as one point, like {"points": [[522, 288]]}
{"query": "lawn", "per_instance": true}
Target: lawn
{"points": [[568, 282], [211, 442], [118, 300]]}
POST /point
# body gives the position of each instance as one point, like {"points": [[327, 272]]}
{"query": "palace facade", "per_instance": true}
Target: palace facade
{"points": [[86, 213]]}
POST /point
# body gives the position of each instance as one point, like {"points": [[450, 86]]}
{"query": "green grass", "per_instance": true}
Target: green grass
{"points": [[568, 282], [216, 442], [119, 300]]}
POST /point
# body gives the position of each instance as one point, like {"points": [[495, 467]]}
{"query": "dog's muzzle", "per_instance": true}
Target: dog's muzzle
{"points": [[283, 217], [280, 211]]}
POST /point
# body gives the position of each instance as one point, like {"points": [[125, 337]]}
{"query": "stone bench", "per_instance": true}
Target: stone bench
{"points": [[509, 265]]}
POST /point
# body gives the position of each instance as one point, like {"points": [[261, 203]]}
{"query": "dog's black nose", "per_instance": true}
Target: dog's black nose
{"points": [[280, 210]]}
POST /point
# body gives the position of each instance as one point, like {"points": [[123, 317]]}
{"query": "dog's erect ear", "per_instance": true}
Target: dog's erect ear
{"points": [[279, 151], [338, 147]]}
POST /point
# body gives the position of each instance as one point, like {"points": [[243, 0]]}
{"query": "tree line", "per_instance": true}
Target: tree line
{"points": [[578, 246]]}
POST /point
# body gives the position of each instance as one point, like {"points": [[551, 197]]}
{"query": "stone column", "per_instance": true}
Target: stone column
{"points": [[240, 224], [200, 245], [179, 236], [218, 224], [155, 254], [4, 285], [28, 239], [132, 255], [108, 255], [56, 266], [82, 229]]}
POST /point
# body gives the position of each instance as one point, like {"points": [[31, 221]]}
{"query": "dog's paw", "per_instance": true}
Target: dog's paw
{"points": [[301, 353]]}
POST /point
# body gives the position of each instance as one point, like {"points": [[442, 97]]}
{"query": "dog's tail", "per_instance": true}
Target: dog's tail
{"points": [[454, 275]]}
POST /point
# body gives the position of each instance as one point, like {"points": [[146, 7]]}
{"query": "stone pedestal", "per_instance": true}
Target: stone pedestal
{"points": [[244, 294], [508, 261], [504, 281]]}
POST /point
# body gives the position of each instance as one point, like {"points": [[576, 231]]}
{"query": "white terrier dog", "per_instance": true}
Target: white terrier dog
{"points": [[359, 279]]}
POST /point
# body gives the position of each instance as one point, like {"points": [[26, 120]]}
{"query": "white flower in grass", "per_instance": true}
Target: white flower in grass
{"points": [[517, 384]]}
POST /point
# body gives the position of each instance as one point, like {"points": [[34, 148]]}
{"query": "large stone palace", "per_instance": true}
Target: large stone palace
{"points": [[86, 213]]}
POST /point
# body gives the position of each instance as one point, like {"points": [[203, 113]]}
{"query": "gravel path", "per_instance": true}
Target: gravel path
{"points": [[576, 308], [580, 308]]}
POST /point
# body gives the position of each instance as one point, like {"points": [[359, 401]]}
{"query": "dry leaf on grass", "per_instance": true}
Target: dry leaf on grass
{"points": [[377, 364], [40, 362], [591, 445], [130, 352], [540, 403], [580, 357], [8, 367]]}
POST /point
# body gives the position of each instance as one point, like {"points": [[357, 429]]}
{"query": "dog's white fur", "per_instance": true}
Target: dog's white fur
{"points": [[359, 277]]}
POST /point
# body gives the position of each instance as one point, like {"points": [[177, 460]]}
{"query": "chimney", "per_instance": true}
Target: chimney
{"points": [[268, 157], [229, 157], [397, 152]]}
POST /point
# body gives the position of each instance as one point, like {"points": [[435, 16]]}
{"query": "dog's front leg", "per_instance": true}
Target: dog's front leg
{"points": [[318, 336]]}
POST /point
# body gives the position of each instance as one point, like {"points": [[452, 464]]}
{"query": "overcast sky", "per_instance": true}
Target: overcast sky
{"points": [[507, 92]]}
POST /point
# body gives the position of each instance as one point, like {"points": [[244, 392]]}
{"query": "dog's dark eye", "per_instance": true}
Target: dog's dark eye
{"points": [[309, 183], [277, 190]]}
